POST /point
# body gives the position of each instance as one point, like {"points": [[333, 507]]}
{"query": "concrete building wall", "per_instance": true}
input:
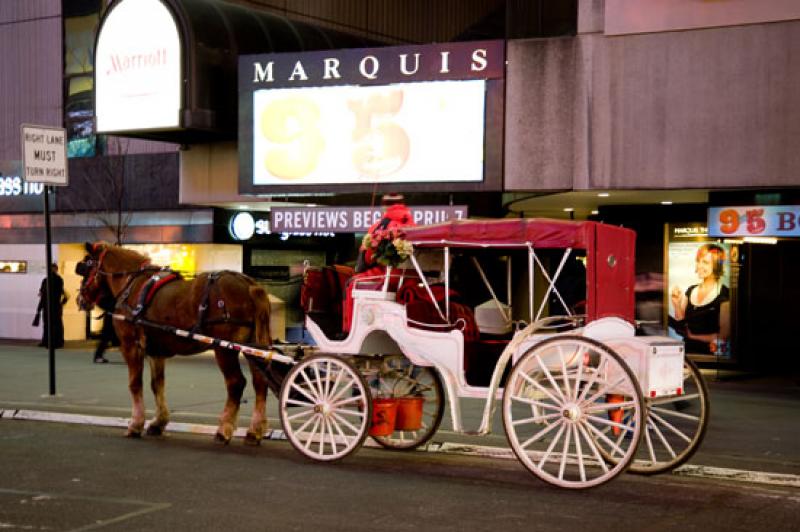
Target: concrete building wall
{"points": [[709, 108], [31, 78]]}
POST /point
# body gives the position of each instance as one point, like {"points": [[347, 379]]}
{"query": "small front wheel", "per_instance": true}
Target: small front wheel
{"points": [[325, 407], [563, 411]]}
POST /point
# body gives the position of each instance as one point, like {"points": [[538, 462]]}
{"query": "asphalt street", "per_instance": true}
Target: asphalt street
{"points": [[81, 476]]}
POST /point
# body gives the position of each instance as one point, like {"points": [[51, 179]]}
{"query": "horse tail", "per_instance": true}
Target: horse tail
{"points": [[261, 317]]}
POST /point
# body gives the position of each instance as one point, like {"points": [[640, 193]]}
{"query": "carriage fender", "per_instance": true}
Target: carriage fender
{"points": [[606, 328]]}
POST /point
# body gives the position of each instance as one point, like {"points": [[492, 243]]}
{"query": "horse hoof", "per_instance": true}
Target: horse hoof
{"points": [[252, 439], [220, 438], [133, 434], [155, 430]]}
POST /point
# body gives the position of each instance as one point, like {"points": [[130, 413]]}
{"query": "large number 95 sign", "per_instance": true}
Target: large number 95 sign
{"points": [[351, 134]]}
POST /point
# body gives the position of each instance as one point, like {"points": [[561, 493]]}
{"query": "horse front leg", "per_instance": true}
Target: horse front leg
{"points": [[258, 421], [161, 417], [228, 362], [134, 358]]}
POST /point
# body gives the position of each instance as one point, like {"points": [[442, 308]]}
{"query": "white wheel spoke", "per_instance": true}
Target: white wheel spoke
{"points": [[674, 399], [541, 433], [593, 446], [295, 402], [613, 446], [312, 433], [670, 426], [535, 419], [534, 402], [664, 441], [592, 379], [610, 423], [311, 388], [318, 381], [328, 425], [579, 452], [344, 387], [540, 388], [548, 452], [649, 441], [605, 407], [344, 422], [672, 413], [604, 391], [307, 423], [327, 378], [564, 374], [578, 375], [349, 400], [314, 400], [564, 454], [300, 414], [550, 378]]}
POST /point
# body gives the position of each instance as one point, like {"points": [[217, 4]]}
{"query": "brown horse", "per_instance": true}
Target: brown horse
{"points": [[226, 305]]}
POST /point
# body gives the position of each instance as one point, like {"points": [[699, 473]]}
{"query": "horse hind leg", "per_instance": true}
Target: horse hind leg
{"points": [[161, 418], [258, 421], [228, 362]]}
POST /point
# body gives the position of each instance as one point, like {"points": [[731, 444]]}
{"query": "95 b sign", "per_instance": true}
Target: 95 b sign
{"points": [[758, 220]]}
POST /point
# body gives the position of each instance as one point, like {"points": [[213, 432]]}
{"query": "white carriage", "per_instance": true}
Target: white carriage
{"points": [[578, 390]]}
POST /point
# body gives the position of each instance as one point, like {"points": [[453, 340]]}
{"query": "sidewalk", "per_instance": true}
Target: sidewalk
{"points": [[755, 420]]}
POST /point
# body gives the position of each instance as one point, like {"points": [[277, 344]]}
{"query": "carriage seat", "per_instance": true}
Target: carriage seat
{"points": [[371, 283]]}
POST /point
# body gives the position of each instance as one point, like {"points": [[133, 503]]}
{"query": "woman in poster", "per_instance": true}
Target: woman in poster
{"points": [[702, 313]]}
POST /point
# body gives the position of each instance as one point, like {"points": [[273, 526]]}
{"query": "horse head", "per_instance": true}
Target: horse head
{"points": [[93, 285], [105, 269]]}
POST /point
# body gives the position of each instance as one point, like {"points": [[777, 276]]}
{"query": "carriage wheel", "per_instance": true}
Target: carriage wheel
{"points": [[557, 409], [405, 380], [676, 426], [325, 407]]}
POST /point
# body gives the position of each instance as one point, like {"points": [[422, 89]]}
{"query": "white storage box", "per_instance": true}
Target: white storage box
{"points": [[657, 361]]}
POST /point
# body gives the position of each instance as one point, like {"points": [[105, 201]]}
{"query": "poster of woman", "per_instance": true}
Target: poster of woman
{"points": [[699, 296]]}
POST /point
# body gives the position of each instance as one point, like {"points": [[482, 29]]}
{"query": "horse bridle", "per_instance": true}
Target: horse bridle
{"points": [[90, 269]]}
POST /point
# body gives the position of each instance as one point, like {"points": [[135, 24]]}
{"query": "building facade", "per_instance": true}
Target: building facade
{"points": [[656, 115]]}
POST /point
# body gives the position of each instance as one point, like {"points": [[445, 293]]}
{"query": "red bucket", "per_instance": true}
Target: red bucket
{"points": [[384, 414], [409, 413]]}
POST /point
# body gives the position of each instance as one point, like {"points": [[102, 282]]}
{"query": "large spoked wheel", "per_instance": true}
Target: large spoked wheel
{"points": [[563, 411], [399, 378], [676, 425], [325, 407]]}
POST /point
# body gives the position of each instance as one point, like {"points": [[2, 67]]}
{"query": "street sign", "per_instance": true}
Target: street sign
{"points": [[44, 155]]}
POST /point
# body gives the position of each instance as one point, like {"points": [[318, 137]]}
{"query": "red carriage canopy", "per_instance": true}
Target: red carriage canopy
{"points": [[610, 252]]}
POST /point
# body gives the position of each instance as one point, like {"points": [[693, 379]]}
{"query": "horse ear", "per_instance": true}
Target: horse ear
{"points": [[95, 248]]}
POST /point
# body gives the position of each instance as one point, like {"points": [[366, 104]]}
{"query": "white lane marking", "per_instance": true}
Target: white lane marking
{"points": [[486, 451]]}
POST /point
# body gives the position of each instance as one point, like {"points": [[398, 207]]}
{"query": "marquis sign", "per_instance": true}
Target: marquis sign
{"points": [[138, 74], [410, 114]]}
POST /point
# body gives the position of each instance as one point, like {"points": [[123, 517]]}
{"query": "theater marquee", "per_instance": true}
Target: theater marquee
{"points": [[408, 116]]}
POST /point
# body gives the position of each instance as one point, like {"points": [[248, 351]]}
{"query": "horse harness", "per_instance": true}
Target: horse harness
{"points": [[159, 278]]}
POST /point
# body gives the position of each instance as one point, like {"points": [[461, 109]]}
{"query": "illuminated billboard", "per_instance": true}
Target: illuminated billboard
{"points": [[429, 131], [413, 116], [138, 76]]}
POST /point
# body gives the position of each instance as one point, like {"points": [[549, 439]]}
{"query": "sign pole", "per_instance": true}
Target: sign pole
{"points": [[44, 160], [48, 312]]}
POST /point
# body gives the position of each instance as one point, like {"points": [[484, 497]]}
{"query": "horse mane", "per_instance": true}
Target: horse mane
{"points": [[126, 259]]}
